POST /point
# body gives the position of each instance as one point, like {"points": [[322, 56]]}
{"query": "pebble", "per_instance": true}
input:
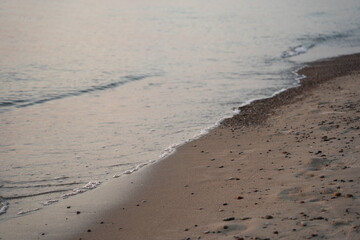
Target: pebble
{"points": [[268, 217], [337, 194], [78, 212], [303, 223], [348, 195], [240, 197], [229, 219]]}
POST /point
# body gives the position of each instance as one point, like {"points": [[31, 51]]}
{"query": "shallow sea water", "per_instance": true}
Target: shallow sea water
{"points": [[92, 90]]}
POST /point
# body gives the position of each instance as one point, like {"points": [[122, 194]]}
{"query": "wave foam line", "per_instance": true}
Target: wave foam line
{"points": [[90, 185]]}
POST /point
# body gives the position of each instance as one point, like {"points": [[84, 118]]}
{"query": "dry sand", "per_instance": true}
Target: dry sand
{"points": [[284, 169]]}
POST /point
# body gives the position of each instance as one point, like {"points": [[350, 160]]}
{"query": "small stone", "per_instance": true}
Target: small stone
{"points": [[226, 227], [275, 232], [348, 195], [268, 217], [240, 197], [229, 219], [303, 223], [68, 207], [89, 230], [337, 194], [78, 212], [225, 204], [186, 229]]}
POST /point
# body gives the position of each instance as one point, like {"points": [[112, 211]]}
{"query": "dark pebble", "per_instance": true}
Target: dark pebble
{"points": [[337, 194], [89, 230], [229, 219], [268, 217], [68, 207], [349, 195], [240, 197], [276, 232], [226, 227], [78, 212]]}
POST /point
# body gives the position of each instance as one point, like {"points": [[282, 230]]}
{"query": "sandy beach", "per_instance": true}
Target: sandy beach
{"points": [[285, 168]]}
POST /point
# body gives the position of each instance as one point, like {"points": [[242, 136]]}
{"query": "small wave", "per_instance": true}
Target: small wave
{"points": [[22, 103], [40, 185], [90, 185], [3, 206], [49, 202], [34, 195], [130, 171], [28, 211], [35, 181], [312, 41], [294, 51]]}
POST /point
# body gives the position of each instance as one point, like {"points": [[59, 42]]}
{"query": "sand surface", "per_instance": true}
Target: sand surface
{"points": [[291, 171]]}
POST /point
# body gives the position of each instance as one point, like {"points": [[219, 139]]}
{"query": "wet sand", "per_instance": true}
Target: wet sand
{"points": [[285, 168]]}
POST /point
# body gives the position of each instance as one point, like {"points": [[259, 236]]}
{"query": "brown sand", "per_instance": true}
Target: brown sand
{"points": [[289, 172]]}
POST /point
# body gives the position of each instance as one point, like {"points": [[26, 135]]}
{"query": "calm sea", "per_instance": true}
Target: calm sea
{"points": [[91, 90]]}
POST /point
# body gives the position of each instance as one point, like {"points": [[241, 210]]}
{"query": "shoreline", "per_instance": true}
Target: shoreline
{"points": [[208, 199], [146, 188]]}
